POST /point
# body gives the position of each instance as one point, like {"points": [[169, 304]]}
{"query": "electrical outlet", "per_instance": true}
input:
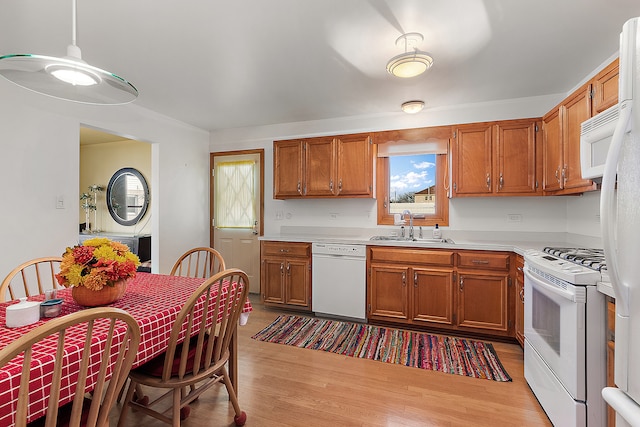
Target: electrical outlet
{"points": [[279, 215], [333, 215], [514, 217]]}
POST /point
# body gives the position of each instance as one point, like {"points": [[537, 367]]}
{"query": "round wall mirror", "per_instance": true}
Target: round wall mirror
{"points": [[127, 196]]}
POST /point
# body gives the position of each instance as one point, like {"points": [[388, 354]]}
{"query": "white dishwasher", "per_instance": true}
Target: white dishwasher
{"points": [[339, 286]]}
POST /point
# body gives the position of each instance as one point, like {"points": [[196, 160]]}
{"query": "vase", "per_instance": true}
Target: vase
{"points": [[106, 295]]}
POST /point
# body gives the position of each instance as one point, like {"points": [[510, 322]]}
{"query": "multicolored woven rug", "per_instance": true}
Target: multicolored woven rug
{"points": [[434, 352]]}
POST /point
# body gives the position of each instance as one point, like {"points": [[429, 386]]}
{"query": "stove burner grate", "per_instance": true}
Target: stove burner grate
{"points": [[590, 258]]}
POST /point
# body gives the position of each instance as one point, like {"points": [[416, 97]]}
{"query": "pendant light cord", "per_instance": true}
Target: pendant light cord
{"points": [[74, 13]]}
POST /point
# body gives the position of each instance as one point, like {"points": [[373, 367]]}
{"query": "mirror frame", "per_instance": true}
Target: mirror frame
{"points": [[145, 187]]}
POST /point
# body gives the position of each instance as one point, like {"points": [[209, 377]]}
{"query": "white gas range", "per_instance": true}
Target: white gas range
{"points": [[565, 334]]}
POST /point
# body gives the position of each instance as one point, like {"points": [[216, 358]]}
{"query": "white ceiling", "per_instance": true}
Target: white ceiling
{"points": [[234, 63]]}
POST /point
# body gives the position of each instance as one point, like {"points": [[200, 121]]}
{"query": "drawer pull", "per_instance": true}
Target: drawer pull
{"points": [[479, 261], [284, 250]]}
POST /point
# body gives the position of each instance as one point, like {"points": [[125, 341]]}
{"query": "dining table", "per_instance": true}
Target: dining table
{"points": [[153, 300]]}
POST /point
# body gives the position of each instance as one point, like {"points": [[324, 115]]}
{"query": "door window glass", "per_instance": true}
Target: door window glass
{"points": [[235, 190]]}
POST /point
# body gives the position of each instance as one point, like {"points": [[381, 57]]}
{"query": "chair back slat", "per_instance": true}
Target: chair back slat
{"points": [[117, 362], [31, 278], [202, 262]]}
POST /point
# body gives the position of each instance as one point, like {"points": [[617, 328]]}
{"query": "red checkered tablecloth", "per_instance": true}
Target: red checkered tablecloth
{"points": [[153, 300]]}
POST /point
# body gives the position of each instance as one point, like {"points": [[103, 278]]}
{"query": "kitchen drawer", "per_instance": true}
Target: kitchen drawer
{"points": [[411, 256], [289, 249], [484, 260]]}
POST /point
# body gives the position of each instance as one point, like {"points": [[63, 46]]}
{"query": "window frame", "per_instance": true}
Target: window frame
{"points": [[441, 216]]}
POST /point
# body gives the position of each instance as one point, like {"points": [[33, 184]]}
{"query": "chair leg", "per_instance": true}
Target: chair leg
{"points": [[125, 405], [177, 397], [240, 417]]}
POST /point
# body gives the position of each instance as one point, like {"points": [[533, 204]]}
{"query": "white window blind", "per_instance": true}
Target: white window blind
{"points": [[405, 148], [235, 190]]}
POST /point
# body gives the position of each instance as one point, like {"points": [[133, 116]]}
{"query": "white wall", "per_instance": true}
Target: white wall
{"points": [[489, 214], [39, 137]]}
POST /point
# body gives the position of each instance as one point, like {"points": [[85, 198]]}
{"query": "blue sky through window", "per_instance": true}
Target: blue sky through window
{"points": [[411, 174]]}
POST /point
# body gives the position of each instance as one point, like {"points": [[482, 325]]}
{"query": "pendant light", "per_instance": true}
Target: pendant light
{"points": [[412, 62], [69, 78]]}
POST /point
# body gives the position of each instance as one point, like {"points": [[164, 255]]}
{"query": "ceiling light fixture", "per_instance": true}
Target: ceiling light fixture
{"points": [[412, 62], [412, 107], [68, 78]]}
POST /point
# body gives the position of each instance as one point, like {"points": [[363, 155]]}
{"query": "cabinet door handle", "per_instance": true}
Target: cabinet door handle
{"points": [[522, 294], [415, 279], [488, 180], [501, 181], [282, 268], [404, 279], [519, 268], [331, 185], [299, 188], [557, 177], [461, 283], [340, 186], [288, 269]]}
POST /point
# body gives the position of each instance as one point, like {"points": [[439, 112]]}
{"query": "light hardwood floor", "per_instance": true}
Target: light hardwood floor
{"points": [[287, 386]]}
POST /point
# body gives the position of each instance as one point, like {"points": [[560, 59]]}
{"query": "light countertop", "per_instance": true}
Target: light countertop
{"points": [[517, 242]]}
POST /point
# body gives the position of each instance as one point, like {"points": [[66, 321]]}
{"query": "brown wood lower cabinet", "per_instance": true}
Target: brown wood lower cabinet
{"points": [[285, 274], [433, 296], [482, 302], [520, 299], [438, 289]]}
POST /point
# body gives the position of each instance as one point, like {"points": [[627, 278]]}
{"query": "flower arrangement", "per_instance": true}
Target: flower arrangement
{"points": [[97, 263]]}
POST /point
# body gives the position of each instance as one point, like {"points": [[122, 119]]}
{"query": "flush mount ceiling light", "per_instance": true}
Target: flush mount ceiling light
{"points": [[412, 62], [68, 78], [412, 107]]}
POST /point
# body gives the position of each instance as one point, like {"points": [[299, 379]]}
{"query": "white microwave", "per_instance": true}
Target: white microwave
{"points": [[595, 138]]}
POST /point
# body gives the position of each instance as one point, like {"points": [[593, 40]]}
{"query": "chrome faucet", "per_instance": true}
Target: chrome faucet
{"points": [[408, 212]]}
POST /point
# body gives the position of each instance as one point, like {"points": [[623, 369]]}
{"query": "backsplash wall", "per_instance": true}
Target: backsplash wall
{"points": [[548, 214]]}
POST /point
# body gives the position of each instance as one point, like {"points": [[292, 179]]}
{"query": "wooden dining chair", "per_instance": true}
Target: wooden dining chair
{"points": [[34, 276], [201, 262], [209, 318], [117, 351]]}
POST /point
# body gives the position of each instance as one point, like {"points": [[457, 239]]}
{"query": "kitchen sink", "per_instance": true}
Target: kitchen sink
{"points": [[407, 239]]}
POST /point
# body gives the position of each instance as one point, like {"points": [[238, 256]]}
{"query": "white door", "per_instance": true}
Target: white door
{"points": [[236, 210]]}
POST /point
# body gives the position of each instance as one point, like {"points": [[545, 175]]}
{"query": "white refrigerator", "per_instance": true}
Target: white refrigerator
{"points": [[620, 218]]}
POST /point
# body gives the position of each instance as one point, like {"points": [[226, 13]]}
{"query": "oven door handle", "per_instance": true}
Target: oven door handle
{"points": [[550, 288]]}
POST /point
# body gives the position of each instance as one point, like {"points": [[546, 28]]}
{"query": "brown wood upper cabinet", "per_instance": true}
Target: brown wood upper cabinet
{"points": [[496, 158], [332, 166], [605, 88], [561, 132]]}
